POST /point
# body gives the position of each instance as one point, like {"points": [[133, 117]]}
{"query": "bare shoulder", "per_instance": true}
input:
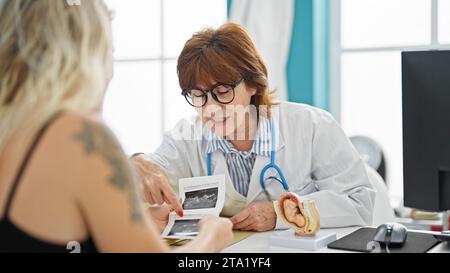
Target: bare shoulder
{"points": [[75, 135], [92, 160], [91, 134], [86, 149]]}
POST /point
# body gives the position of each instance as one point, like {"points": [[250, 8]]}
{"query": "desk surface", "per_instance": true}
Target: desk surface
{"points": [[259, 243]]}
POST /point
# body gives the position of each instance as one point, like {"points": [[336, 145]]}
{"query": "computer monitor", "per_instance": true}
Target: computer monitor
{"points": [[426, 129]]}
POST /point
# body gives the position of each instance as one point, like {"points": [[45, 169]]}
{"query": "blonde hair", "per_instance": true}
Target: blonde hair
{"points": [[53, 57]]}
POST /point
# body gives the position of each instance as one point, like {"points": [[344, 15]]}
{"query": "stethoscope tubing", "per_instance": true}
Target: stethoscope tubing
{"points": [[271, 165]]}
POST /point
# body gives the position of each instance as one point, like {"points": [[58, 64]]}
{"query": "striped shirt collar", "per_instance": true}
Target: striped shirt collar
{"points": [[261, 146]]}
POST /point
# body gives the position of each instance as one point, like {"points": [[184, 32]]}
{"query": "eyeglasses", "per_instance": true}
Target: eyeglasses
{"points": [[221, 92]]}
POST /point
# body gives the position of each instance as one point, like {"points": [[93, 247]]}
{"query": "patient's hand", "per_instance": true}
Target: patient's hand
{"points": [[160, 216], [293, 214]]}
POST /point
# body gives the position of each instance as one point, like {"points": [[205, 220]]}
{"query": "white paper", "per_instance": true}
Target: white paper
{"points": [[200, 196]]}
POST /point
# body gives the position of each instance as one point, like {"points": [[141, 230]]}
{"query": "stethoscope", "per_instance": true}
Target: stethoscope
{"points": [[271, 166]]}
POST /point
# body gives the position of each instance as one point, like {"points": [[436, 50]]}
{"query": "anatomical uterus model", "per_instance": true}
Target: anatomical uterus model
{"points": [[302, 216]]}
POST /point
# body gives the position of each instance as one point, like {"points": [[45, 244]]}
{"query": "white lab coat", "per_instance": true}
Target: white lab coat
{"points": [[316, 157]]}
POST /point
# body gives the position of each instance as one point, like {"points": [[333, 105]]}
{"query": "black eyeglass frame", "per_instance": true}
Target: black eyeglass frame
{"points": [[188, 96]]}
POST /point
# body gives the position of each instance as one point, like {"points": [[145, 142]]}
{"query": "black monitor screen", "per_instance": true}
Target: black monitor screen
{"points": [[426, 129]]}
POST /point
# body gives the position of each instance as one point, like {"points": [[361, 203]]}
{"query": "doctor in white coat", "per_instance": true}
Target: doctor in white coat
{"points": [[223, 76]]}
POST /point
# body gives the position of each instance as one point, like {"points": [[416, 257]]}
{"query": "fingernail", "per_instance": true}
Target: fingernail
{"points": [[180, 213]]}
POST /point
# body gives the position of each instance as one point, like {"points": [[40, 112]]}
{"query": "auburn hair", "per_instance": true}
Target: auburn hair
{"points": [[224, 55]]}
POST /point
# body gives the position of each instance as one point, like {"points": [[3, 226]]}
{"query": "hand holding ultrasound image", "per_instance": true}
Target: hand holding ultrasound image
{"points": [[200, 196]]}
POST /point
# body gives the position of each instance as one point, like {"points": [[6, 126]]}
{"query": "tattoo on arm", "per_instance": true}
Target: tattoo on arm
{"points": [[99, 140]]}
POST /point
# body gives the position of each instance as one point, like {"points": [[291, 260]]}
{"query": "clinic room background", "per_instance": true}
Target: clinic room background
{"points": [[242, 126], [342, 56]]}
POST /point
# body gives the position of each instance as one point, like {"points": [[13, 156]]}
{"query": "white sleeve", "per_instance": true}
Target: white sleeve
{"points": [[171, 157], [345, 195]]}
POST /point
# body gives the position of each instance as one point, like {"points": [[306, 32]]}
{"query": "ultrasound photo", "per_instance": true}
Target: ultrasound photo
{"points": [[201, 199], [184, 227]]}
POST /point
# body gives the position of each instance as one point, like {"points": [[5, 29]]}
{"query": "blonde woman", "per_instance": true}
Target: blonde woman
{"points": [[64, 180]]}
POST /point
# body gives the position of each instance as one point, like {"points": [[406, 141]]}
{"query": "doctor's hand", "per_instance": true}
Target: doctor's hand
{"points": [[155, 184], [259, 217]]}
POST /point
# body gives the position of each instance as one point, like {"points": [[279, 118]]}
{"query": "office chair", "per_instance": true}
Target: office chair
{"points": [[371, 152]]}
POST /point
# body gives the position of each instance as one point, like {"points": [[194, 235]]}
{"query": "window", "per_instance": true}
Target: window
{"points": [[368, 37], [444, 21], [375, 23], [143, 99]]}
